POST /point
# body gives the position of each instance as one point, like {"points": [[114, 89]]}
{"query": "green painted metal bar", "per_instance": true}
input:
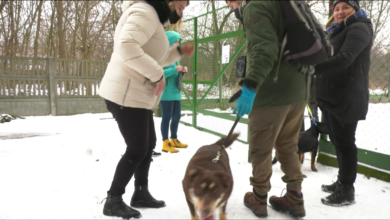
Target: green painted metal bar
{"points": [[371, 158], [187, 96], [367, 171], [195, 76], [217, 134], [199, 82], [232, 34], [220, 80], [222, 116], [205, 82], [223, 70], [206, 101]]}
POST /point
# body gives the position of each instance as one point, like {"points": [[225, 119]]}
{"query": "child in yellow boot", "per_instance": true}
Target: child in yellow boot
{"points": [[170, 100]]}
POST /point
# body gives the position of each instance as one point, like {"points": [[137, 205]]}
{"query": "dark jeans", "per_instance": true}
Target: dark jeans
{"points": [[171, 113], [342, 137], [137, 128]]}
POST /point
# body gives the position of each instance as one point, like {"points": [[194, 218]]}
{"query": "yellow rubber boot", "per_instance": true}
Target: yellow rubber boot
{"points": [[168, 148], [177, 143]]}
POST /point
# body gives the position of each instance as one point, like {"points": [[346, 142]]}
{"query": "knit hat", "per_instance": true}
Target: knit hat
{"points": [[172, 36], [355, 4]]}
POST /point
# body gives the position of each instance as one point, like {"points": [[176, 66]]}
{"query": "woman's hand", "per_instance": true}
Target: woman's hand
{"points": [[181, 69], [187, 49], [160, 85]]}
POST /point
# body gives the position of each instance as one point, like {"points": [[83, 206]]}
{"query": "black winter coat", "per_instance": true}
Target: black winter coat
{"points": [[342, 81]]}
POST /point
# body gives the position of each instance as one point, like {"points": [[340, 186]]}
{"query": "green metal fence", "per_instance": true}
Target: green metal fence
{"points": [[209, 82], [212, 83]]}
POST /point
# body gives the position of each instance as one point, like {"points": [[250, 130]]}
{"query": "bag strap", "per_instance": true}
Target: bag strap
{"points": [[283, 46]]}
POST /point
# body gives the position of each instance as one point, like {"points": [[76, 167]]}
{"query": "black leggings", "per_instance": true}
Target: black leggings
{"points": [[137, 128], [342, 137]]}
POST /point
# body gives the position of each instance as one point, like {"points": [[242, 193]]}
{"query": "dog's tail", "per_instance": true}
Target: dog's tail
{"points": [[232, 138]]}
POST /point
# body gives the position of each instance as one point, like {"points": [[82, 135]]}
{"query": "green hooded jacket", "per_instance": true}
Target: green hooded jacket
{"points": [[171, 92], [264, 29]]}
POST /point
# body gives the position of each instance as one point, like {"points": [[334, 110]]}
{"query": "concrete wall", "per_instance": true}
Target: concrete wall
{"points": [[72, 106], [25, 107], [41, 107]]}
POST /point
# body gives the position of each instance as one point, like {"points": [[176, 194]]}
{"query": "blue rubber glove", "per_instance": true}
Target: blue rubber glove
{"points": [[245, 102]]}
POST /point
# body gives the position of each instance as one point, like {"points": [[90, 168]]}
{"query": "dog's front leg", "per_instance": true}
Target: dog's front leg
{"points": [[313, 160], [222, 212], [194, 215]]}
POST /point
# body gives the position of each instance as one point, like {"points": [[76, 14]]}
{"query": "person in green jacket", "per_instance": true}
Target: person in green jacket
{"points": [[278, 104], [170, 101]]}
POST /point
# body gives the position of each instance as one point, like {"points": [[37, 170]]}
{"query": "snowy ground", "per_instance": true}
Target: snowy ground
{"points": [[61, 168], [371, 134]]}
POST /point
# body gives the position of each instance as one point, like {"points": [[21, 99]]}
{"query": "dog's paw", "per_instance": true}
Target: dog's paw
{"points": [[314, 169], [304, 176]]}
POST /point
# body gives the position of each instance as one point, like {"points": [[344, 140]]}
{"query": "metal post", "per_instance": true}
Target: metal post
{"points": [[220, 80], [194, 77], [51, 67]]}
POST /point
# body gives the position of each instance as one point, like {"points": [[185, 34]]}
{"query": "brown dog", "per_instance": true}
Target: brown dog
{"points": [[208, 183]]}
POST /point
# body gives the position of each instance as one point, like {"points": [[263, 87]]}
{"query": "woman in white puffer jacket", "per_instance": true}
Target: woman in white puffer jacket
{"points": [[132, 88]]}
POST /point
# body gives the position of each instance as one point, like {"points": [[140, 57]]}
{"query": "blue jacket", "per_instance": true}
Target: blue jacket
{"points": [[171, 92]]}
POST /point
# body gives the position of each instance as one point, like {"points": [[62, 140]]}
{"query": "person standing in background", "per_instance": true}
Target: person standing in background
{"points": [[170, 100], [342, 92]]}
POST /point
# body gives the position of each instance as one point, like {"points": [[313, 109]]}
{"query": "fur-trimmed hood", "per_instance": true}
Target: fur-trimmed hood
{"points": [[161, 7]]}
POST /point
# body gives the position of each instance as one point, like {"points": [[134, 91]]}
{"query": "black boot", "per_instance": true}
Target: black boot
{"points": [[142, 198], [329, 188], [343, 195], [115, 206]]}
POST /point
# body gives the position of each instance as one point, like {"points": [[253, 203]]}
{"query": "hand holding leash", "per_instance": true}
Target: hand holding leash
{"points": [[245, 102]]}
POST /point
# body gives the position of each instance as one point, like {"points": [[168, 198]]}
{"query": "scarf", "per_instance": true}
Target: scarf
{"points": [[336, 28]]}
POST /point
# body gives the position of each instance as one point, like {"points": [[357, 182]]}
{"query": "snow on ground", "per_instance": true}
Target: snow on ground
{"points": [[371, 134], [61, 167]]}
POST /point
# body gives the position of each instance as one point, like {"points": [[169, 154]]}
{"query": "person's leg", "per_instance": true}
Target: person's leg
{"points": [[264, 126], [134, 125], [142, 196], [142, 173], [176, 115], [330, 121], [343, 138], [166, 110], [344, 142], [287, 147], [114, 205], [325, 115]]}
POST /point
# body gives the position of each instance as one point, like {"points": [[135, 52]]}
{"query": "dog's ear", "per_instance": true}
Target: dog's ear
{"points": [[225, 179], [232, 138]]}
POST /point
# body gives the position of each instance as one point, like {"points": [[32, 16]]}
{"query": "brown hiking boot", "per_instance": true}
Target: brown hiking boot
{"points": [[291, 203], [258, 204]]}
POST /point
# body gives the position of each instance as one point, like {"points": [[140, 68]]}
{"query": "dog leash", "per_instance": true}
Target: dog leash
{"points": [[232, 99], [215, 160], [311, 115]]}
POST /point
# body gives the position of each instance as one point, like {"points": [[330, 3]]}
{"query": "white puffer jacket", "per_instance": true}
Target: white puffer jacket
{"points": [[141, 50]]}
